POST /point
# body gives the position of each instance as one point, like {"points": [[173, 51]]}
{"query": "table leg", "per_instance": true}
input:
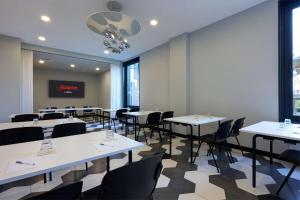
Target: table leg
{"points": [[271, 152], [191, 140], [134, 126], [170, 140], [129, 156], [107, 164], [102, 119], [254, 160]]}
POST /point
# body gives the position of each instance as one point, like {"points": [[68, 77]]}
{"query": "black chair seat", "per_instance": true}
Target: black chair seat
{"points": [[291, 155]]}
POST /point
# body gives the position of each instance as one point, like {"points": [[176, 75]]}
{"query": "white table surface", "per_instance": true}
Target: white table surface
{"points": [[273, 129], [140, 113], [112, 109], [41, 123], [195, 119], [69, 151], [68, 109]]}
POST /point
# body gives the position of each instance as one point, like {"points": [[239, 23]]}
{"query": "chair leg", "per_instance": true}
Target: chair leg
{"points": [[86, 166], [145, 135], [213, 156], [199, 146], [160, 138], [237, 140], [114, 125], [286, 179], [229, 155]]}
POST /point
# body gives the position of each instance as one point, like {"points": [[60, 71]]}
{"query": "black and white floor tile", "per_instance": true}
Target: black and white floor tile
{"points": [[179, 179]]}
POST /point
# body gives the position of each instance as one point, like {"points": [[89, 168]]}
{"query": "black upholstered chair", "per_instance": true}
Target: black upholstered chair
{"points": [[235, 130], [165, 115], [292, 156], [152, 123], [54, 115], [20, 135], [70, 191], [218, 138], [69, 129], [24, 117], [134, 181], [134, 109], [120, 117]]}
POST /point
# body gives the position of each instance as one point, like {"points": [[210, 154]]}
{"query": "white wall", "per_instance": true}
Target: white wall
{"points": [[234, 66], [154, 78], [104, 89], [10, 77], [41, 79]]}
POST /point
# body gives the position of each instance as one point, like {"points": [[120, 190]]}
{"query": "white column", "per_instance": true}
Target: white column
{"points": [[27, 81], [116, 99]]}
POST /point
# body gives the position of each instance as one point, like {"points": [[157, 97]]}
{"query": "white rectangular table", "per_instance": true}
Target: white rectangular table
{"points": [[41, 123], [190, 121], [135, 116], [69, 151], [270, 131]]}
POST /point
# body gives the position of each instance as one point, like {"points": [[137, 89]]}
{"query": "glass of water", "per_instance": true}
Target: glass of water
{"points": [[35, 121], [70, 117], [109, 135]]}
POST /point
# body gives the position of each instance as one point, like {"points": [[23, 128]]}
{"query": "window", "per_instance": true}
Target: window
{"points": [[131, 83], [289, 60]]}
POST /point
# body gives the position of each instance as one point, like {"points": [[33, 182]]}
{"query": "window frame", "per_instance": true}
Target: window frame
{"points": [[125, 77], [285, 51]]}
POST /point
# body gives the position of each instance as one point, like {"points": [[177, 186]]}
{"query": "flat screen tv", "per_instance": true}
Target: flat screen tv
{"points": [[67, 89]]}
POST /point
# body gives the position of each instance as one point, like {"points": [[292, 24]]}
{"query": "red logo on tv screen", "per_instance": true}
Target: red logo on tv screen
{"points": [[66, 89]]}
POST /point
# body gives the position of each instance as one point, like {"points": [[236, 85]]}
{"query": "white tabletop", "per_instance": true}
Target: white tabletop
{"points": [[69, 151], [195, 119], [41, 123], [112, 109], [68, 109], [140, 113], [273, 129]]}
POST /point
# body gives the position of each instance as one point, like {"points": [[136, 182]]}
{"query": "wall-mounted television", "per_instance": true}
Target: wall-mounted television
{"points": [[67, 89]]}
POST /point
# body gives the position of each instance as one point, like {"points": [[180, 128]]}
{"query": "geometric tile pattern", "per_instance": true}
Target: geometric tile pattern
{"points": [[179, 179]]}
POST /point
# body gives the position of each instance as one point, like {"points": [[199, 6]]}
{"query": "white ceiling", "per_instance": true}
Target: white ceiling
{"points": [[60, 62], [67, 30]]}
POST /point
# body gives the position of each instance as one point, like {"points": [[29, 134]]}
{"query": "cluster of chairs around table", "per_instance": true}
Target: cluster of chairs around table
{"points": [[153, 122]]}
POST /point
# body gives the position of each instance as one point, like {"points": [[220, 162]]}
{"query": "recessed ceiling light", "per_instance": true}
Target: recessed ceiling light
{"points": [[45, 18], [125, 40], [97, 68], [153, 22], [42, 38], [72, 65], [106, 52], [41, 61]]}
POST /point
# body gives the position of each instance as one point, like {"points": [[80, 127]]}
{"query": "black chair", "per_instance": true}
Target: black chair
{"points": [[134, 109], [218, 138], [134, 181], [69, 129], [235, 130], [119, 117], [54, 115], [152, 122], [292, 156], [20, 135], [165, 115], [69, 191], [70, 111], [24, 117]]}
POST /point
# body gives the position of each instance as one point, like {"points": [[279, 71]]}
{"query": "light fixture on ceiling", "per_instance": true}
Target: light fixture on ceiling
{"points": [[106, 52], [45, 18], [114, 26], [42, 38], [72, 65], [41, 61], [97, 68], [153, 22]]}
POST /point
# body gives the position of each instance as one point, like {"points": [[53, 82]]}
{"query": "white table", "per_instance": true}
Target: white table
{"points": [[135, 116], [41, 123], [41, 115], [69, 151], [270, 131], [69, 109], [190, 121]]}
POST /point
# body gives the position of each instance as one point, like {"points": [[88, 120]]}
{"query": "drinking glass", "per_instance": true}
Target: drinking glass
{"points": [[35, 121], [109, 135]]}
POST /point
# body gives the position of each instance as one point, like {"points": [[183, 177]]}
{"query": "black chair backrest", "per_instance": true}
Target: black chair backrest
{"points": [[153, 118], [24, 117], [238, 124], [53, 116], [119, 113], [134, 109], [69, 191], [19, 135], [134, 181], [167, 114], [68, 129], [224, 130], [71, 111], [86, 109]]}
